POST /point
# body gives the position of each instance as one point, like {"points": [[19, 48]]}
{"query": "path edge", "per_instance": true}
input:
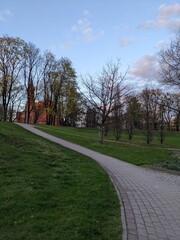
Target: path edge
{"points": [[123, 216]]}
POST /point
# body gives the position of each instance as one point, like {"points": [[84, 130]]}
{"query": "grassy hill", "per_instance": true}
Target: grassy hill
{"points": [[50, 192]]}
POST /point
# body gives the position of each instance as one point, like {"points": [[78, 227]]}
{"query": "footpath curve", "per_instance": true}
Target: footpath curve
{"points": [[150, 200]]}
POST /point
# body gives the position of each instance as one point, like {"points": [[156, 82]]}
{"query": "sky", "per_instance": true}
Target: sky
{"points": [[92, 32]]}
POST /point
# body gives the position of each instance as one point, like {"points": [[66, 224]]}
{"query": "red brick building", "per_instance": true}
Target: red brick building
{"points": [[37, 113]]}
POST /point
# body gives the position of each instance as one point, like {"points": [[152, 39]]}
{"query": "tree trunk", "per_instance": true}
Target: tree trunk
{"points": [[11, 109], [130, 132], [117, 134], [28, 111], [177, 122], [101, 134], [162, 134], [4, 113]]}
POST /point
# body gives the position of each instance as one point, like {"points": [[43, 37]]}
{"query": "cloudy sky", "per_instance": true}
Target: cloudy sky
{"points": [[91, 32]]}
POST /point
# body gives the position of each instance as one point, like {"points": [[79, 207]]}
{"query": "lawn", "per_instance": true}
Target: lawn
{"points": [[135, 151], [49, 192]]}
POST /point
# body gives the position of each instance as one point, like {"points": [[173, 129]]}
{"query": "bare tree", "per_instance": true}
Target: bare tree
{"points": [[171, 106], [31, 67], [175, 97], [117, 114], [91, 117], [146, 101], [16, 97], [11, 58], [101, 92], [169, 113], [49, 68], [133, 114], [170, 63]]}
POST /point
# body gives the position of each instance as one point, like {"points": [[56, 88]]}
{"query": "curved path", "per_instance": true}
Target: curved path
{"points": [[150, 200]]}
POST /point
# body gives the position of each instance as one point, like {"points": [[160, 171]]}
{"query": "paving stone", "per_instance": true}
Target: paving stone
{"points": [[142, 231], [152, 237], [132, 237], [151, 230], [142, 238]]}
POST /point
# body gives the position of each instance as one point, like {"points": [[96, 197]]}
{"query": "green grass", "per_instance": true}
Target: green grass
{"points": [[136, 152], [49, 192], [172, 138]]}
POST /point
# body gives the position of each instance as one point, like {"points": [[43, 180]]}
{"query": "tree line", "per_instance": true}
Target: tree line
{"points": [[25, 71], [105, 101], [111, 104]]}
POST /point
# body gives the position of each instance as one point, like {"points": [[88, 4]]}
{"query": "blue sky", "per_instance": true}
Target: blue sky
{"points": [[90, 32]]}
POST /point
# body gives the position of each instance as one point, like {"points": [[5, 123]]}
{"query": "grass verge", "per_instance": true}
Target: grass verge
{"points": [[136, 153], [50, 192]]}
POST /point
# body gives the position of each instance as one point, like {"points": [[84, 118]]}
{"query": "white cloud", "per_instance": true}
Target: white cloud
{"points": [[167, 17], [86, 13], [88, 34], [160, 44], [83, 28], [145, 68], [167, 10], [148, 24], [5, 15], [174, 25], [80, 25], [126, 41]]}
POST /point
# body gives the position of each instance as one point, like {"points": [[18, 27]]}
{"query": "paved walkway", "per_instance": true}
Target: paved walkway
{"points": [[150, 200]]}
